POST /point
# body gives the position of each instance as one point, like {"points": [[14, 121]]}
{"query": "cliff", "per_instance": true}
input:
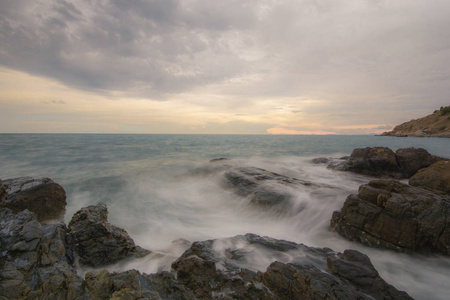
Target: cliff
{"points": [[435, 125]]}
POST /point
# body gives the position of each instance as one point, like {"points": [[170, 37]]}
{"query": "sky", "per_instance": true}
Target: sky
{"points": [[221, 67]]}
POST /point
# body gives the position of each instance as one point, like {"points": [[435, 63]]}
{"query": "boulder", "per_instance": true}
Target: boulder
{"points": [[36, 260], [223, 268], [40, 195], [372, 161], [99, 243], [384, 163], [413, 159], [389, 214], [436, 177]]}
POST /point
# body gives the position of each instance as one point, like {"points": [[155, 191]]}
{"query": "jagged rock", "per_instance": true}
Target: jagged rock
{"points": [[349, 275], [99, 243], [372, 161], [389, 214], [222, 267], [436, 177], [36, 260], [40, 195], [413, 159]]}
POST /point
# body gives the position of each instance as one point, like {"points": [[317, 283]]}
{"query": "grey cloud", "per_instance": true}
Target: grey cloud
{"points": [[143, 48], [332, 50], [55, 102]]}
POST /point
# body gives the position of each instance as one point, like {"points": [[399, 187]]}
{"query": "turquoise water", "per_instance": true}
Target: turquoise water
{"points": [[140, 178]]}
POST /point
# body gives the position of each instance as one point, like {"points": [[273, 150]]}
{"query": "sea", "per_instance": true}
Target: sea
{"points": [[145, 181]]}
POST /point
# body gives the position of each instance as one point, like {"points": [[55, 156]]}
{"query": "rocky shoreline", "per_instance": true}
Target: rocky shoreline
{"points": [[39, 252], [436, 124]]}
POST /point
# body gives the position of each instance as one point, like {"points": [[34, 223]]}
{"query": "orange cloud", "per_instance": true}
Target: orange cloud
{"points": [[279, 130]]}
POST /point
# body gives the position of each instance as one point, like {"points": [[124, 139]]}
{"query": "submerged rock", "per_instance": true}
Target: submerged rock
{"points": [[320, 160], [436, 177], [40, 195], [260, 187], [99, 243], [389, 214]]}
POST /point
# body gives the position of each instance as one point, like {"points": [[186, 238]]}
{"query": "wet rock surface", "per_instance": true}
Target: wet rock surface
{"points": [[260, 187], [389, 214], [218, 267], [40, 195], [98, 242], [36, 259]]}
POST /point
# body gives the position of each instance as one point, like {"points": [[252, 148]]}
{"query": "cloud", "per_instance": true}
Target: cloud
{"points": [[55, 102], [160, 48], [383, 127], [334, 63]]}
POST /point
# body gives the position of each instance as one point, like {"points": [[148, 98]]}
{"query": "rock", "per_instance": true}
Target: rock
{"points": [[383, 162], [320, 160], [372, 161], [220, 159], [40, 195], [389, 214], [134, 285], [99, 243], [262, 188], [436, 177], [349, 275], [412, 160], [223, 268], [36, 260]]}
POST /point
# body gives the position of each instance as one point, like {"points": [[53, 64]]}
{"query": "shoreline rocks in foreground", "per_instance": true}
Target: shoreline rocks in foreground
{"points": [[98, 242], [392, 215], [37, 262], [389, 214]]}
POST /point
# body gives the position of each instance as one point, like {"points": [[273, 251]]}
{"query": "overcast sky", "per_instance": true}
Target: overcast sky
{"points": [[238, 66]]}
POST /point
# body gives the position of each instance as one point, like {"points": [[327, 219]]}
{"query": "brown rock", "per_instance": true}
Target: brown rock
{"points": [[373, 161], [436, 177], [413, 159], [389, 214]]}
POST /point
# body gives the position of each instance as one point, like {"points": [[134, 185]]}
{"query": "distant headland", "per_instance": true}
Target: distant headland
{"points": [[436, 124]]}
